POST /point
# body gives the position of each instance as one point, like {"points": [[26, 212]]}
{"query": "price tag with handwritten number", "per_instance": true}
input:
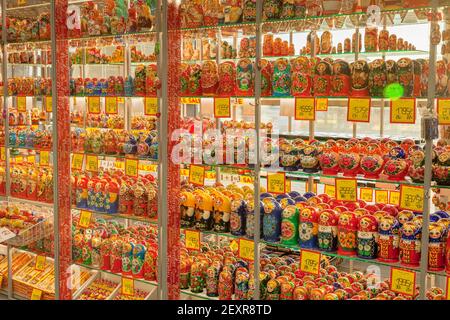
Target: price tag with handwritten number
{"points": [[276, 183], [381, 196], [443, 111], [310, 262], [128, 286], [36, 294], [366, 194], [197, 175], [411, 198], [403, 281], [22, 104], [77, 161], [94, 105], [85, 219], [131, 167], [394, 198], [330, 190], [44, 158], [321, 104], [48, 104], [92, 163], [151, 106], [192, 238], [40, 263], [234, 246], [246, 249], [359, 110], [403, 111], [346, 190], [111, 106], [305, 109], [222, 108]]}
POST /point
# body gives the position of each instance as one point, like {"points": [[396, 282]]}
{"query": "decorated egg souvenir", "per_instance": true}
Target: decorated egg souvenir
{"points": [[410, 244], [289, 225], [367, 237], [281, 81], [271, 220], [347, 232], [372, 162], [377, 78], [301, 77], [322, 79], [245, 78], [308, 228], [360, 79], [340, 80]]}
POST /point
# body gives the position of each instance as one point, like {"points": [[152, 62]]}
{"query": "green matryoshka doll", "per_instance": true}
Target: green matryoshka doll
{"points": [[289, 225], [272, 9], [377, 77]]}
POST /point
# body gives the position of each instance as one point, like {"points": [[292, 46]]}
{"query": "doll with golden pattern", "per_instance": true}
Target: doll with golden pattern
{"points": [[436, 247], [347, 233], [227, 76], [301, 69], [410, 250], [367, 237], [322, 78]]}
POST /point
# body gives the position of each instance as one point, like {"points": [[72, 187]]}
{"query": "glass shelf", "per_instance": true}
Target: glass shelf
{"points": [[201, 295], [113, 64], [219, 234], [118, 216], [32, 202], [221, 26], [112, 36]]}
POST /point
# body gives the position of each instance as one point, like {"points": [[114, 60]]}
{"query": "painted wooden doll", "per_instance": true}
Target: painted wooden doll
{"points": [[241, 285], [245, 78], [222, 212], [238, 217], [273, 289], [360, 79], [327, 230], [139, 252], [271, 9], [347, 231], [197, 279], [308, 227], [301, 77], [203, 211], [211, 12], [322, 79], [212, 279], [367, 237], [371, 39], [266, 78], [127, 257], [436, 247], [377, 77], [281, 81], [341, 79], [250, 221], [210, 78], [249, 11], [187, 200], [349, 159], [288, 9], [191, 13], [289, 225], [195, 80], [185, 272], [410, 244], [383, 40], [441, 78], [227, 76], [406, 75], [326, 42], [271, 220], [225, 288], [417, 91]]}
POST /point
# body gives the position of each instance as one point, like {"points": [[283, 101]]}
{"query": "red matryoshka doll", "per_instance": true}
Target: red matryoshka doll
{"points": [[347, 231], [406, 75], [301, 77], [105, 254], [268, 45], [410, 244], [340, 80], [195, 80], [329, 158], [372, 162], [371, 39], [149, 267], [436, 247], [82, 192], [191, 13], [287, 290], [397, 167], [327, 231], [210, 78], [151, 81], [441, 78], [360, 79], [322, 79], [139, 252], [326, 42], [184, 79], [116, 256], [383, 40], [126, 198], [308, 227], [31, 192], [281, 80], [212, 279], [391, 72], [245, 78], [367, 237], [227, 75], [273, 289], [377, 78], [404, 216], [140, 199], [266, 78], [349, 159], [241, 284], [211, 12], [300, 293], [225, 288], [197, 279]]}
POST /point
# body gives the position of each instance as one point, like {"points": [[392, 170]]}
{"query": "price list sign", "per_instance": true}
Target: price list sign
{"points": [[92, 163], [321, 104], [403, 111], [381, 196], [94, 105], [85, 219], [36, 294], [111, 105], [330, 190], [77, 161], [131, 167], [310, 262], [366, 194], [394, 198], [358, 110], [346, 190], [403, 281], [150, 106], [305, 109], [411, 198]]}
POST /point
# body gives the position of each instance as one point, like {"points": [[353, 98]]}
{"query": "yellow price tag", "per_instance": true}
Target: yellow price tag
{"points": [[346, 190], [359, 110], [85, 219], [246, 180], [151, 106], [366, 194], [321, 104], [192, 239], [184, 172], [2, 153], [128, 286], [111, 105], [403, 111], [222, 108], [305, 109], [131, 167], [403, 281], [443, 111], [22, 104], [18, 160], [197, 175], [310, 261], [21, 2], [1, 280], [246, 249], [148, 167], [288, 186], [234, 246], [190, 100], [411, 198], [381, 196], [44, 158], [77, 161], [447, 295], [36, 294], [48, 104], [211, 175], [330, 190], [394, 198], [276, 183], [92, 163], [40, 263], [31, 159], [94, 105]]}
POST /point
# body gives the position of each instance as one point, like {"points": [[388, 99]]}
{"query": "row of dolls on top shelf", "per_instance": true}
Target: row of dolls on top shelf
{"points": [[112, 121], [369, 231], [219, 272], [145, 83], [305, 76], [116, 142], [113, 192], [95, 56], [383, 158], [111, 246]]}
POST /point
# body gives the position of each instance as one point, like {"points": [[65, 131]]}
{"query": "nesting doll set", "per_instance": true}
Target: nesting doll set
{"points": [[377, 78], [322, 79], [308, 228], [301, 77], [281, 81], [245, 78], [341, 79]]}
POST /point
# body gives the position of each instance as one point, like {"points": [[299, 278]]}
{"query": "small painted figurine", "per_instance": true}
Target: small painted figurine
{"points": [[225, 289], [301, 77], [271, 220], [347, 229], [187, 209], [410, 244], [436, 247], [203, 211], [360, 79], [340, 80], [212, 280], [308, 228], [367, 237], [377, 77], [245, 78], [197, 279], [289, 225], [281, 79], [322, 79], [241, 285], [406, 75], [328, 231], [238, 217]]}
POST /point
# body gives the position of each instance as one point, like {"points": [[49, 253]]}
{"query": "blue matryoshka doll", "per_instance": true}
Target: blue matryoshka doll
{"points": [[238, 216], [272, 220], [308, 228], [250, 219]]}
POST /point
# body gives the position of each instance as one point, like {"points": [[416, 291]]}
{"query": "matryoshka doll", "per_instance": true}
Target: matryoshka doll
{"points": [[396, 168], [244, 78], [210, 78], [197, 279], [137, 263], [372, 162], [241, 284], [227, 76], [406, 76], [249, 11], [289, 225], [360, 79], [301, 77], [329, 158], [140, 199], [273, 290], [271, 220], [111, 197], [377, 78], [187, 208], [222, 213], [152, 82], [404, 216], [391, 72], [436, 247], [225, 288], [327, 231], [82, 192], [203, 211], [340, 80], [308, 227], [150, 262], [410, 244], [383, 40], [326, 42], [371, 39], [191, 13], [441, 78], [266, 78], [127, 257], [281, 80], [195, 80], [271, 9], [185, 272], [349, 159], [238, 216], [322, 78], [347, 232], [212, 279], [367, 237], [126, 198]]}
